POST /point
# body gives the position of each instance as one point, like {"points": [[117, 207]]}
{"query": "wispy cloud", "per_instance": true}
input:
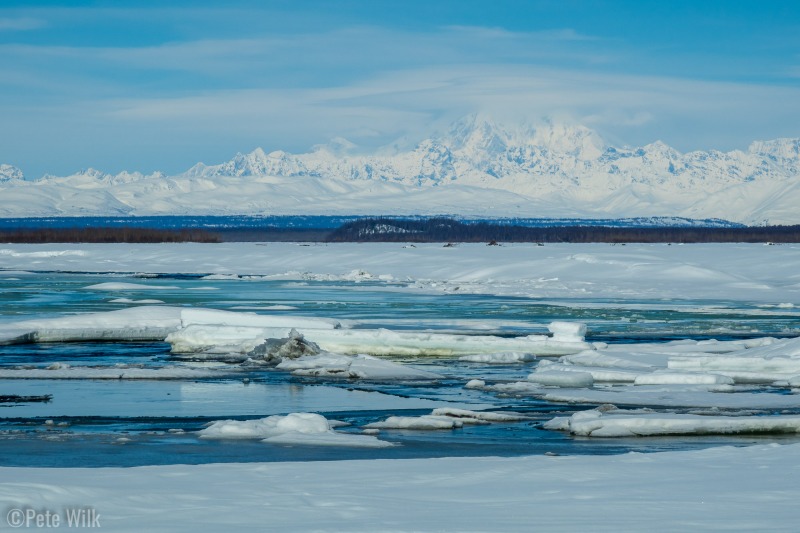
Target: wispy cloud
{"points": [[201, 83], [21, 23], [636, 110]]}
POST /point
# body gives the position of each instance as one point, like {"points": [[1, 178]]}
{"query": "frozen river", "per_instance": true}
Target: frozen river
{"points": [[106, 422]]}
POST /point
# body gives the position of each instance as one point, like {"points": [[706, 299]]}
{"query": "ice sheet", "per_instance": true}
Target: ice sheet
{"points": [[719, 489], [729, 271]]}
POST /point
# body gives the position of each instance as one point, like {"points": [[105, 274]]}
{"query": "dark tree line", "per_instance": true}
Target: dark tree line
{"points": [[105, 235], [448, 230]]}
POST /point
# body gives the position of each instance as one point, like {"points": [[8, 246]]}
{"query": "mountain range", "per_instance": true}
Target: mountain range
{"points": [[477, 168]]}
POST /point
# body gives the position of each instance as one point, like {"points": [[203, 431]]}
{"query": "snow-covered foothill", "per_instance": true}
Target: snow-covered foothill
{"points": [[293, 429], [597, 423]]}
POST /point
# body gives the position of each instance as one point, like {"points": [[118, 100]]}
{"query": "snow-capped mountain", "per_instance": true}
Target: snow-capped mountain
{"points": [[477, 167], [8, 172]]}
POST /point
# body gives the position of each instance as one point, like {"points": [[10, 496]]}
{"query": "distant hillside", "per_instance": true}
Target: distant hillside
{"points": [[449, 230]]}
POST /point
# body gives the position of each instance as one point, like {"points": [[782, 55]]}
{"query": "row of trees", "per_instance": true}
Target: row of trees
{"points": [[448, 230], [105, 235]]}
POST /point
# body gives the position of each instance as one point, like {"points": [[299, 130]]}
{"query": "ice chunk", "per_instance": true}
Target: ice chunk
{"points": [[674, 378], [499, 358], [489, 416], [617, 424], [567, 331], [116, 286], [62, 371], [134, 324], [294, 428], [555, 378], [221, 339], [425, 422], [445, 418], [147, 301], [601, 374], [387, 342], [353, 367], [291, 347], [653, 395]]}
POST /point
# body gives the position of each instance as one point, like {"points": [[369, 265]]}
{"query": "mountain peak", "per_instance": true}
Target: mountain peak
{"points": [[10, 172], [779, 148], [566, 138], [477, 133]]}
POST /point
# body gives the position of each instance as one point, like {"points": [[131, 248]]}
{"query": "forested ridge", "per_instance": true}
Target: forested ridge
{"points": [[449, 230]]}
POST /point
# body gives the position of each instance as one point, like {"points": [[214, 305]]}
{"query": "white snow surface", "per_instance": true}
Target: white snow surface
{"points": [[642, 271], [479, 166], [719, 489]]}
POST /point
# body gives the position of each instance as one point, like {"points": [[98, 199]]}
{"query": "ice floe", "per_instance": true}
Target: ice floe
{"points": [[445, 418], [675, 374], [597, 423], [387, 342], [293, 429], [502, 358], [146, 301], [133, 324], [65, 371], [118, 286], [362, 367], [555, 378]]}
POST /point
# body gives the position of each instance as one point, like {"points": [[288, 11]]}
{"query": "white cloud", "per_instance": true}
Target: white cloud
{"points": [[688, 114]]}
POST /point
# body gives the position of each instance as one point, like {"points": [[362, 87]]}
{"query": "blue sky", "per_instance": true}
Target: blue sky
{"points": [[147, 85]]}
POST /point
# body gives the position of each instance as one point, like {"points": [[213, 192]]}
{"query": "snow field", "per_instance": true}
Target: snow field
{"points": [[719, 489]]}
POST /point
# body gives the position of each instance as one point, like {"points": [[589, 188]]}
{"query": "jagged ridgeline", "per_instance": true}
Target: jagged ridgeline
{"points": [[477, 169], [450, 230]]}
